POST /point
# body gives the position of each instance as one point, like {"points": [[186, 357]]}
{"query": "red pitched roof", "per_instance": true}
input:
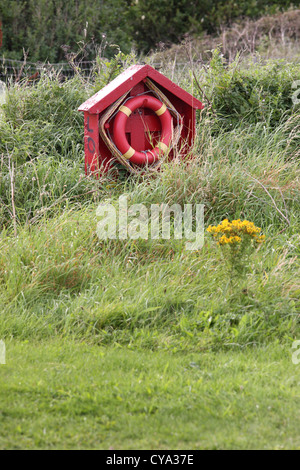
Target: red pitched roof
{"points": [[127, 80]]}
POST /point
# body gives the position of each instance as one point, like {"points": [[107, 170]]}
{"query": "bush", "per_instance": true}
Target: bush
{"points": [[252, 93], [41, 135], [43, 26], [43, 120]]}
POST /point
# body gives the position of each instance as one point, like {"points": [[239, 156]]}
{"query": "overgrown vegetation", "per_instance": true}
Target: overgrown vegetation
{"points": [[56, 272], [61, 287], [43, 26], [270, 36]]}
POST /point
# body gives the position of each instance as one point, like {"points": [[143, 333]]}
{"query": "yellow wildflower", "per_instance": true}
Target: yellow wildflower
{"points": [[234, 232]]}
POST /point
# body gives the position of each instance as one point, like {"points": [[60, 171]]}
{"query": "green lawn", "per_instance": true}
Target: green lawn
{"points": [[68, 395]]}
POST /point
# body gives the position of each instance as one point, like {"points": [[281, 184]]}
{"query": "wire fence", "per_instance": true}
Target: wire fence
{"points": [[16, 70]]}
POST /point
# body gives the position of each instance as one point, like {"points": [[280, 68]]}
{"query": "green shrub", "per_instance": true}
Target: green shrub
{"points": [[252, 93], [43, 26], [41, 134], [43, 120]]}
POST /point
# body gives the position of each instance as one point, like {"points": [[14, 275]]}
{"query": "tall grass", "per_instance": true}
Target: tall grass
{"points": [[57, 278]]}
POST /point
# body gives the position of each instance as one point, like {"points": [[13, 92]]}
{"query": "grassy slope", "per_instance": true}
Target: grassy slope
{"points": [[59, 279], [165, 337]]}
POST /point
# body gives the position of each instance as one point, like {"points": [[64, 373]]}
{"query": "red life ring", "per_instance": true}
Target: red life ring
{"points": [[149, 156]]}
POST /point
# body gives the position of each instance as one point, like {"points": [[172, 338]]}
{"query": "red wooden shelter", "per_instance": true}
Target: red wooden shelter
{"points": [[134, 81]]}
